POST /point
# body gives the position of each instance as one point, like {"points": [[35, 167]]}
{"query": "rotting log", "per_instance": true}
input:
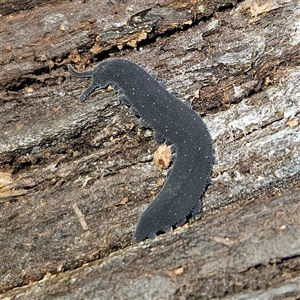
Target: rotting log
{"points": [[74, 178], [256, 253]]}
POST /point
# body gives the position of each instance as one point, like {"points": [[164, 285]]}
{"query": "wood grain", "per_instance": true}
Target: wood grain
{"points": [[66, 168]]}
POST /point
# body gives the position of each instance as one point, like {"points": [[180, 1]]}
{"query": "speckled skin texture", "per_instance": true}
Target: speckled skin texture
{"points": [[179, 125]]}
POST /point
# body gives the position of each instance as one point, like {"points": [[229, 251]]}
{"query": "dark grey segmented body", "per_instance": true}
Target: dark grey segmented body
{"points": [[174, 121]]}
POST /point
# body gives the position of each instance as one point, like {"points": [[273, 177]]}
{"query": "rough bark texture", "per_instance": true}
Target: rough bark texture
{"points": [[74, 178]]}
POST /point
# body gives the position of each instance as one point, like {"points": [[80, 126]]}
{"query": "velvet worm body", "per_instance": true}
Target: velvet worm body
{"points": [[176, 123]]}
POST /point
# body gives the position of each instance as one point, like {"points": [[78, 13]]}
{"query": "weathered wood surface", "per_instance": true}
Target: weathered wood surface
{"points": [[66, 167], [245, 252]]}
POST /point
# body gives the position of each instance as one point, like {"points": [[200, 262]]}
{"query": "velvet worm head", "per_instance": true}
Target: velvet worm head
{"points": [[173, 121]]}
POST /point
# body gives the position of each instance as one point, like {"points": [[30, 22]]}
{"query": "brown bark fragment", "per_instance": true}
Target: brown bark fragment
{"points": [[162, 157]]}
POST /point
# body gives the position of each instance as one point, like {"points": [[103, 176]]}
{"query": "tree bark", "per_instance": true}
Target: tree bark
{"points": [[74, 178]]}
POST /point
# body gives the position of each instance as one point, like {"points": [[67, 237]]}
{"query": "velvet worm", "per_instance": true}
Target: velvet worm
{"points": [[174, 122]]}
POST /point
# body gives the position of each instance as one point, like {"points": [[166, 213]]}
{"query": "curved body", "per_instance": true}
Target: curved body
{"points": [[179, 125]]}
